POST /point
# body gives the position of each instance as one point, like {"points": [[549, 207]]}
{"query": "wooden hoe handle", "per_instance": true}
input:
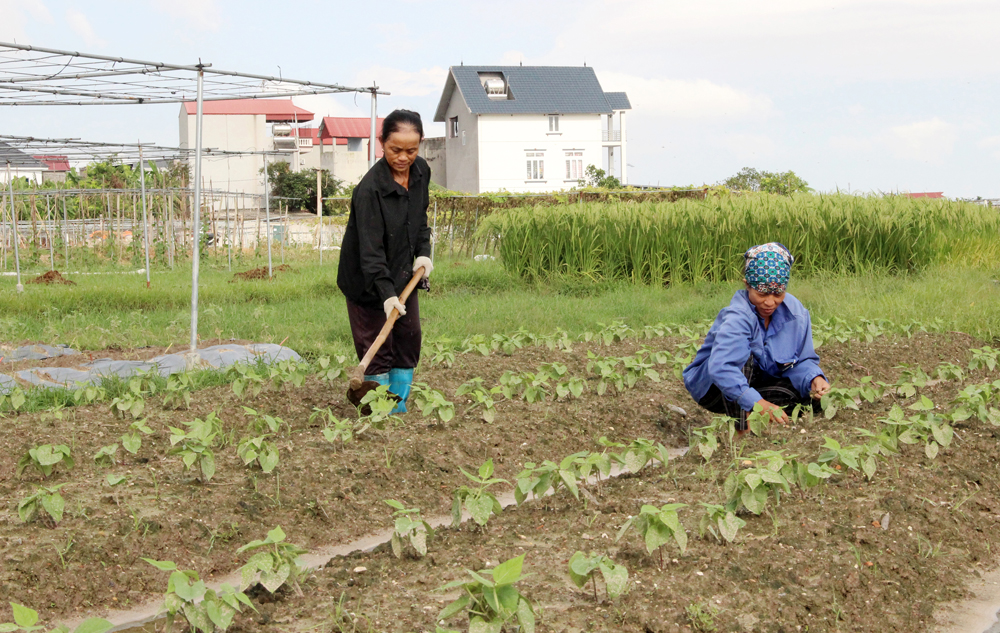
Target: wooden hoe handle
{"points": [[357, 376]]}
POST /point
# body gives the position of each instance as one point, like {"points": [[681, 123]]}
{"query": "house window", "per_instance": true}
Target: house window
{"points": [[536, 165], [574, 165], [553, 123], [453, 126], [354, 145]]}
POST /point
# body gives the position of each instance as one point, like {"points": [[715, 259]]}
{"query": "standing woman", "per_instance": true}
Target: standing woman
{"points": [[759, 351], [386, 240]]}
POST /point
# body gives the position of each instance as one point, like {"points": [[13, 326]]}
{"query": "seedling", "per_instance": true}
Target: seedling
{"points": [[332, 369], [87, 393], [606, 371], [408, 525], [835, 400], [478, 500], [204, 609], [481, 397], [381, 404], [984, 358], [13, 399], [749, 487], [264, 423], [491, 599], [178, 391], [132, 442], [195, 445], [432, 402], [260, 450], [26, 619], [641, 452], [246, 380], [128, 403], [910, 380], [583, 568], [47, 500], [274, 563], [45, 458], [539, 480], [475, 343], [442, 353], [105, 456], [287, 371], [837, 454], [706, 441], [574, 386], [726, 521], [657, 527]]}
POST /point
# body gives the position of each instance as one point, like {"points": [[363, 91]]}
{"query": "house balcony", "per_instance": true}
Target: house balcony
{"points": [[611, 137]]}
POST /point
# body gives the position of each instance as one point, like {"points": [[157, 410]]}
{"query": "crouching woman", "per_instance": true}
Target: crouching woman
{"points": [[760, 349]]}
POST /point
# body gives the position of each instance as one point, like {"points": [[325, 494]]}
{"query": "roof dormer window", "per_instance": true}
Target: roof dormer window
{"points": [[495, 85]]}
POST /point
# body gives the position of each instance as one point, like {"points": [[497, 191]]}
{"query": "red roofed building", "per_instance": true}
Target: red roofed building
{"points": [[58, 168], [927, 194], [273, 110]]}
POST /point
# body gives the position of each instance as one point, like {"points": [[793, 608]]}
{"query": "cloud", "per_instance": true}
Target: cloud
{"points": [[404, 83], [81, 26], [203, 15], [15, 14], [924, 141], [851, 143], [333, 105], [856, 109], [697, 99]]}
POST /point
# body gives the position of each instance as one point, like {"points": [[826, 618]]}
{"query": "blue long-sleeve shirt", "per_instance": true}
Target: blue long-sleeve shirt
{"points": [[784, 349]]}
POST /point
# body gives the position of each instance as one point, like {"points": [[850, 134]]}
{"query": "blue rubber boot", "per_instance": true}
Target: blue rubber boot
{"points": [[399, 383], [382, 379]]}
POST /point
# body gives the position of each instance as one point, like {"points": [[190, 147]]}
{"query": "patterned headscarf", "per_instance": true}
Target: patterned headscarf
{"points": [[768, 267]]}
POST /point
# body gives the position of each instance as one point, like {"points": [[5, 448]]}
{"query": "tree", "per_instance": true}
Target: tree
{"points": [[300, 186], [783, 183], [598, 178]]}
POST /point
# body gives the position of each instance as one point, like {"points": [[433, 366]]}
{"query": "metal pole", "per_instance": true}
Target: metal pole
{"points": [[192, 356], [65, 232], [13, 223], [229, 237], [145, 224], [371, 135], [434, 230], [319, 205], [267, 216], [48, 234]]}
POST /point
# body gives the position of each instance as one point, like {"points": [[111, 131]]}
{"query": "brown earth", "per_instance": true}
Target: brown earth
{"points": [[794, 570], [261, 273], [51, 277]]}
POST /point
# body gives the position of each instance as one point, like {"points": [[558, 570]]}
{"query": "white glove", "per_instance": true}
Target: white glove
{"points": [[390, 304], [424, 262]]}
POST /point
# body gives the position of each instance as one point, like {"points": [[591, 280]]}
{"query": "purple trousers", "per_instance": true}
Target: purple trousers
{"points": [[401, 348]]}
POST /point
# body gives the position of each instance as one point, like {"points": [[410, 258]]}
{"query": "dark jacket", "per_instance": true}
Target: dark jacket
{"points": [[386, 230]]}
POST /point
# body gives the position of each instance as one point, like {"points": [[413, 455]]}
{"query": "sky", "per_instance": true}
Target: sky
{"points": [[895, 95]]}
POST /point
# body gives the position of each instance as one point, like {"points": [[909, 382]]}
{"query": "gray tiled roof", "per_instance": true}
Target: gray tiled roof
{"points": [[17, 158], [535, 90], [618, 100]]}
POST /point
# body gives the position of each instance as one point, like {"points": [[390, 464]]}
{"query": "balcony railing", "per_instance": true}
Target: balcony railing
{"points": [[611, 135]]}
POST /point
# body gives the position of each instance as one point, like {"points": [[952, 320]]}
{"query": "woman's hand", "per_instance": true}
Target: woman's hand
{"points": [[425, 263], [392, 303], [820, 387], [776, 413]]}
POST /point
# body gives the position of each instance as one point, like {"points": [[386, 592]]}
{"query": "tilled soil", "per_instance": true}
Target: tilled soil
{"points": [[816, 562], [261, 273]]}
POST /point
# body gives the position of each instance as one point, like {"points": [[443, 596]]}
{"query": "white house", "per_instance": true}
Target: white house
{"points": [[528, 128], [242, 125], [21, 165]]}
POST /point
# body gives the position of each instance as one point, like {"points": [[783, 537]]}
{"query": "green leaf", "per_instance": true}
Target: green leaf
{"points": [[162, 565], [454, 607], [931, 450], [419, 541], [486, 470], [190, 592], [24, 617], [525, 616], [753, 480], [615, 578], [729, 526], [579, 569], [54, 504], [394, 504], [479, 625], [480, 508], [248, 574], [752, 503], [508, 572], [132, 442], [273, 580], [94, 625], [207, 465], [397, 546]]}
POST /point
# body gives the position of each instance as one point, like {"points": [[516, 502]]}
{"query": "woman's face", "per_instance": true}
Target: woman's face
{"points": [[401, 148], [766, 304]]}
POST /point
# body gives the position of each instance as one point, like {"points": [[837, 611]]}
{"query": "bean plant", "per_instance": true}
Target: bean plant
{"points": [[26, 619], [274, 563], [717, 516], [45, 458], [259, 450], [583, 568], [657, 526], [409, 525], [478, 500], [195, 445], [432, 402], [205, 610], [132, 441], [45, 500], [481, 397], [491, 599]]}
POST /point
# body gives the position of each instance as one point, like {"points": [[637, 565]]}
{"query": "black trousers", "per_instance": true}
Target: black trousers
{"points": [[401, 348], [778, 391]]}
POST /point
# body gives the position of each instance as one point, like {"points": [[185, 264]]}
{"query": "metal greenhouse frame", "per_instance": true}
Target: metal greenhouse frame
{"points": [[35, 76]]}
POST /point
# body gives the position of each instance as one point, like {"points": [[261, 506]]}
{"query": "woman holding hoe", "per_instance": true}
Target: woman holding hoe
{"points": [[759, 351], [386, 241]]}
